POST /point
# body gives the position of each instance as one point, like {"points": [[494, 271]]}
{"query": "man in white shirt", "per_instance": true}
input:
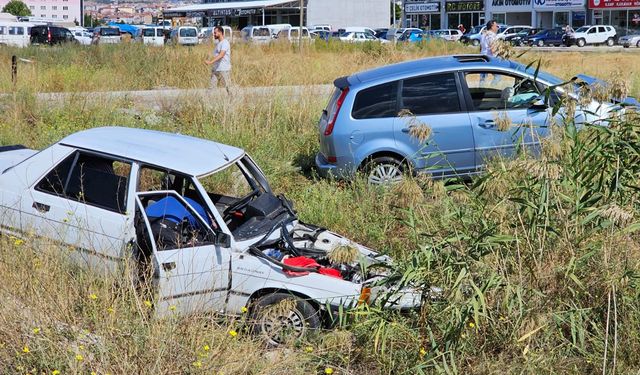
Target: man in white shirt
{"points": [[488, 46], [221, 71]]}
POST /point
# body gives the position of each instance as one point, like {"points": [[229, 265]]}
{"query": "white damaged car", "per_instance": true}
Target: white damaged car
{"points": [[201, 216]]}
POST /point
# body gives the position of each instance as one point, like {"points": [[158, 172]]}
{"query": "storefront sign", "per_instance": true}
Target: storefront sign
{"points": [[614, 4], [416, 8], [558, 3], [213, 13], [510, 3], [464, 6]]}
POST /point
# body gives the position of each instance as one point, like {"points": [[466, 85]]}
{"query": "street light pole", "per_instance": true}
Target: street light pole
{"points": [[301, 24]]}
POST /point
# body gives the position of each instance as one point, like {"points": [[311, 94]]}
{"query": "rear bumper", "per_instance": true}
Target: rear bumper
{"points": [[325, 169]]}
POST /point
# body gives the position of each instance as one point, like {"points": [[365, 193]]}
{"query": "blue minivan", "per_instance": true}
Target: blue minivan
{"points": [[369, 122]]}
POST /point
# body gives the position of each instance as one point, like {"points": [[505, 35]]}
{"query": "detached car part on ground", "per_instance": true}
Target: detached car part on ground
{"points": [[446, 116], [201, 215]]}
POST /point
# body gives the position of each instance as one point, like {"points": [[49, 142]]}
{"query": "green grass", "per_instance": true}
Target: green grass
{"points": [[539, 259]]}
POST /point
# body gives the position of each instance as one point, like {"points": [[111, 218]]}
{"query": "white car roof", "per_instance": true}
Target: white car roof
{"points": [[181, 153]]}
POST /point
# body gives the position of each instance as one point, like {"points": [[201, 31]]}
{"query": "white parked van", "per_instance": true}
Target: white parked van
{"points": [[365, 30], [184, 36], [293, 34], [256, 34], [206, 34], [276, 28], [16, 34], [153, 35]]}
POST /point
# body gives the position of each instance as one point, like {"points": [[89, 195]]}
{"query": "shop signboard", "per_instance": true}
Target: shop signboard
{"points": [[421, 7], [605, 4], [546, 4], [510, 5], [464, 6]]}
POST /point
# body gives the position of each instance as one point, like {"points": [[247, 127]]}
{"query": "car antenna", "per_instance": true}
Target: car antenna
{"points": [[226, 158]]}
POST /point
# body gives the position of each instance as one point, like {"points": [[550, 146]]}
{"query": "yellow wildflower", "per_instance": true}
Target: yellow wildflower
{"points": [[26, 349], [197, 364], [328, 371], [472, 325], [206, 348], [55, 372], [36, 330], [308, 349], [79, 357], [148, 303], [94, 373], [172, 307], [18, 242], [110, 310], [244, 309], [93, 296], [423, 352], [233, 333]]}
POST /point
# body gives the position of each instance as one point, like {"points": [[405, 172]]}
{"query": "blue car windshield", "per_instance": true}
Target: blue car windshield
{"points": [[542, 75]]}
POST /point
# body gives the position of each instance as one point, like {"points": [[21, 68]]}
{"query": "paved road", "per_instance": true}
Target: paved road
{"points": [[164, 98]]}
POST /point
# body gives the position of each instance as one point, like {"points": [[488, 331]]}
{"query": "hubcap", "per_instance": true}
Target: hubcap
{"points": [[280, 328], [383, 174]]}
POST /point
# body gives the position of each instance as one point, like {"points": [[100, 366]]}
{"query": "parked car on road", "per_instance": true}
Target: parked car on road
{"points": [[81, 35], [51, 35], [630, 41], [214, 235], [206, 34], [518, 39], [360, 37], [370, 123], [452, 35], [106, 35], [585, 35], [154, 35], [510, 31], [293, 34], [548, 37], [473, 36]]}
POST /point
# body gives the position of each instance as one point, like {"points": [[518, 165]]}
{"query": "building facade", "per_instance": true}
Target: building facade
{"points": [[240, 13], [59, 11], [622, 14]]}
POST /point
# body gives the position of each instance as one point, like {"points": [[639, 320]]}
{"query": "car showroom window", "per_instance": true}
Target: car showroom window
{"points": [[430, 95], [96, 180], [376, 102], [496, 91]]}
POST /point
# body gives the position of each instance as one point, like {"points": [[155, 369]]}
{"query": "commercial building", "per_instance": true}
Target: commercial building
{"points": [[58, 11], [239, 13], [622, 14]]}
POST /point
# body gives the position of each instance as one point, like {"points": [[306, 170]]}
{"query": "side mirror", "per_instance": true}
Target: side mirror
{"points": [[538, 104], [222, 240]]}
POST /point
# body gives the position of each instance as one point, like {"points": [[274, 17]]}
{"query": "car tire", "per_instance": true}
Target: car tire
{"points": [[273, 320], [581, 42], [637, 44], [475, 42], [611, 42], [541, 43], [384, 170]]}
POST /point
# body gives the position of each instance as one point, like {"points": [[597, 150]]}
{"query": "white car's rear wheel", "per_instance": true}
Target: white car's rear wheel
{"points": [[638, 44], [610, 42]]}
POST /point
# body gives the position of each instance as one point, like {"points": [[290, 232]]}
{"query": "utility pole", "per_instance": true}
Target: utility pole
{"points": [[301, 24], [393, 10]]}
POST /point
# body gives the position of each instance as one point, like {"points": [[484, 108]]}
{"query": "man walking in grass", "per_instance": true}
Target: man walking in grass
{"points": [[221, 71]]}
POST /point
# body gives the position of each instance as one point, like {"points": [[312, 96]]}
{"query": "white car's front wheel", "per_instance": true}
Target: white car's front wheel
{"points": [[475, 42], [283, 318], [581, 43]]}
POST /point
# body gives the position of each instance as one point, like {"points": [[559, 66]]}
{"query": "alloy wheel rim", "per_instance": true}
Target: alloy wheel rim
{"points": [[384, 174], [278, 328]]}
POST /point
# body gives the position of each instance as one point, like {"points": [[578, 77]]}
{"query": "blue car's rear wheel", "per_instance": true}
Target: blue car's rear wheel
{"points": [[384, 170]]}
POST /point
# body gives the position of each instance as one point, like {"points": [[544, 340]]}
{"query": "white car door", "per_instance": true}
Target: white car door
{"points": [[82, 203], [191, 275]]}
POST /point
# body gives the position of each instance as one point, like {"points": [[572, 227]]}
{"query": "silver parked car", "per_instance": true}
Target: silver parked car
{"points": [[630, 41]]}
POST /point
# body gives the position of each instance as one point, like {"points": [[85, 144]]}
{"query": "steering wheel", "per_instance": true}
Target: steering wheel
{"points": [[241, 203]]}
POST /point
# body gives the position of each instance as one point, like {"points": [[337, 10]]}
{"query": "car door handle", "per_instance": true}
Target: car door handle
{"points": [[489, 124], [41, 207], [168, 266], [406, 130]]}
